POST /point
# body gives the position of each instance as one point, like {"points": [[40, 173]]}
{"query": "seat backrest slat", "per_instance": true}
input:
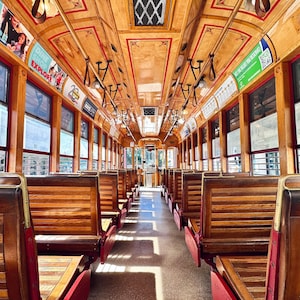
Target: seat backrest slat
{"points": [[64, 204], [235, 204], [108, 184]]}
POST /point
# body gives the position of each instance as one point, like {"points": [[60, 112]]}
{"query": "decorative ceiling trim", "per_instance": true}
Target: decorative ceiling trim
{"points": [[133, 42]]}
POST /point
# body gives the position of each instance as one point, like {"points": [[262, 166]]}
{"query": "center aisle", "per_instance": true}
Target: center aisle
{"points": [[150, 259]]}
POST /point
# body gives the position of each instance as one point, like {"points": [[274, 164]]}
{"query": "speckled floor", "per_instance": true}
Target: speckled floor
{"points": [[150, 259]]}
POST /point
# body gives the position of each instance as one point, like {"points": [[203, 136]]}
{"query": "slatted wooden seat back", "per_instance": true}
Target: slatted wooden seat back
{"points": [[236, 211], [24, 275], [15, 283], [273, 276], [288, 283], [108, 189], [189, 216], [177, 185], [62, 204], [164, 177], [176, 195], [166, 172], [122, 184], [130, 179], [189, 205], [192, 191], [170, 181], [134, 178], [167, 185], [110, 204], [191, 194]]}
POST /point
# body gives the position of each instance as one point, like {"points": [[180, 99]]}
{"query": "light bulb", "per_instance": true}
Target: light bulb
{"points": [[49, 7]]}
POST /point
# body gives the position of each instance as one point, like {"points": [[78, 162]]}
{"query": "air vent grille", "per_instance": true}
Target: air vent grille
{"points": [[149, 12], [149, 111]]}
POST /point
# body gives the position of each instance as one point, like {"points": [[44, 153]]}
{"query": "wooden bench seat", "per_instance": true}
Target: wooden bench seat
{"points": [[109, 200], [131, 183], [111, 205], [169, 185], [236, 217], [272, 276], [175, 193], [24, 275], [67, 217], [189, 206], [123, 199]]}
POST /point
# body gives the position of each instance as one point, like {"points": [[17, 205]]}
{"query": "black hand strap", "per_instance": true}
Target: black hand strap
{"points": [[212, 73], [87, 79]]}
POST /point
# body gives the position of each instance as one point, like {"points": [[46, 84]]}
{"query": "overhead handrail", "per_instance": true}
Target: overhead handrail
{"points": [[85, 55], [211, 55]]}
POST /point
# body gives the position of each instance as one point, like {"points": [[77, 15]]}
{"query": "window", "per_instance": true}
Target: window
{"points": [[233, 139], [161, 159], [121, 157], [95, 149], [150, 156], [37, 132], [196, 150], [66, 141], [84, 145], [109, 154], [296, 86], [263, 130], [128, 157], [184, 156], [103, 166], [204, 149], [118, 164], [138, 156], [172, 157], [189, 152], [4, 87], [113, 154], [215, 129]]}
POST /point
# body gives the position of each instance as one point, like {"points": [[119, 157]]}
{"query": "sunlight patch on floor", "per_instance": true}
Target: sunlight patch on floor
{"points": [[106, 268], [154, 225], [132, 236], [149, 189], [124, 238]]}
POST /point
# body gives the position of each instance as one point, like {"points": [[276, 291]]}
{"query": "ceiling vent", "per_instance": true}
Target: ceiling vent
{"points": [[149, 12], [149, 111]]}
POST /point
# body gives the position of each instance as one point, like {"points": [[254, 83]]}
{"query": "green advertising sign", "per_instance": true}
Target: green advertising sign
{"points": [[255, 62]]}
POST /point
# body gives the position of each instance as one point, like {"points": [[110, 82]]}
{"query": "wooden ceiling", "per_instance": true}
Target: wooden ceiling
{"points": [[155, 64]]}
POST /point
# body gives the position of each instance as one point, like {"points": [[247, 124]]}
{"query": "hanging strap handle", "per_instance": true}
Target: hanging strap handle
{"points": [[39, 18], [87, 79], [261, 12], [212, 73]]}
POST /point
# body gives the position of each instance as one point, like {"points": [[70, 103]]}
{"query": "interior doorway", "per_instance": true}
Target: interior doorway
{"points": [[150, 166]]}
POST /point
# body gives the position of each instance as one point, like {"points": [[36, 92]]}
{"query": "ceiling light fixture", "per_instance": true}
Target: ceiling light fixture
{"points": [[201, 84], [96, 84], [41, 9], [184, 111]]}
